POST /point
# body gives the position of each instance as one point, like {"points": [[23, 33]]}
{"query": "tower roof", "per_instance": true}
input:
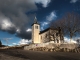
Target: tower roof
{"points": [[35, 21]]}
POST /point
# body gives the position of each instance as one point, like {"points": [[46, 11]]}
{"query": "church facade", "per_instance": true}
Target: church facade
{"points": [[47, 35]]}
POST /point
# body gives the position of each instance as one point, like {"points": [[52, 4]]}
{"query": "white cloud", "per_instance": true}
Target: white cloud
{"points": [[45, 23], [6, 24], [68, 40], [28, 30], [24, 41], [43, 2], [73, 1], [14, 43], [51, 16], [73, 41], [18, 30]]}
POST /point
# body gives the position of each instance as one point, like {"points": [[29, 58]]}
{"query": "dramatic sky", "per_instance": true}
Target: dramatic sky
{"points": [[16, 17]]}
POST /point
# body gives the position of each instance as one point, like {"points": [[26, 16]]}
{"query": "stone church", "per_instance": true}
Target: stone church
{"points": [[47, 35]]}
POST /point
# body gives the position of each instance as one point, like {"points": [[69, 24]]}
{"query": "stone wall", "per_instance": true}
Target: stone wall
{"points": [[51, 45], [69, 46]]}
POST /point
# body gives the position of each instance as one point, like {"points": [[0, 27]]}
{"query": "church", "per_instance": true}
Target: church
{"points": [[47, 35]]}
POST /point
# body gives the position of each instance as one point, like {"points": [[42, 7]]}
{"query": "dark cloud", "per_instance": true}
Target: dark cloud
{"points": [[24, 35], [13, 15]]}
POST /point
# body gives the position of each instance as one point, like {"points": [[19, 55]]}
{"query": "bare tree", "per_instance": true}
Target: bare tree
{"points": [[78, 41], [7, 40], [70, 24], [0, 43]]}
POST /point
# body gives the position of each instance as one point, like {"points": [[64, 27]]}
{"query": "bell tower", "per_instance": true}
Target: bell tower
{"points": [[35, 31]]}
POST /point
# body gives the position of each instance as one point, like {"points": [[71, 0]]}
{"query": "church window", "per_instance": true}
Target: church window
{"points": [[36, 27], [41, 37]]}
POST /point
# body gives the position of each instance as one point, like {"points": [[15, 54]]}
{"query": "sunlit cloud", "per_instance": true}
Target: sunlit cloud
{"points": [[73, 1], [28, 30], [45, 23], [67, 40], [52, 16], [24, 41], [18, 30], [6, 24]]}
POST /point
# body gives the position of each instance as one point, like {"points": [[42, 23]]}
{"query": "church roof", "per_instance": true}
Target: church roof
{"points": [[47, 30], [44, 30]]}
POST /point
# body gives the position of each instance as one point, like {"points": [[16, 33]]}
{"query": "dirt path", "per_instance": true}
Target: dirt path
{"points": [[37, 55]]}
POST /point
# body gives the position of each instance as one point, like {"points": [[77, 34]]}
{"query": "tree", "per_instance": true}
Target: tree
{"points": [[78, 41], [7, 40], [70, 24], [0, 43]]}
